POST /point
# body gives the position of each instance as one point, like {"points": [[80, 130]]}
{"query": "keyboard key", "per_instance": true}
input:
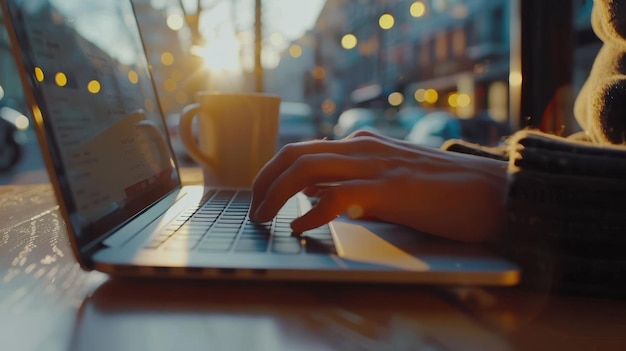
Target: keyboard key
{"points": [[320, 246], [188, 236], [284, 233], [230, 221], [223, 234], [254, 228], [214, 245], [205, 217], [251, 245], [215, 225], [286, 245], [191, 229], [180, 245], [318, 235]]}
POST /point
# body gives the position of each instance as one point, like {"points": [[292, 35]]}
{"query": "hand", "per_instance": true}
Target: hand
{"points": [[452, 195]]}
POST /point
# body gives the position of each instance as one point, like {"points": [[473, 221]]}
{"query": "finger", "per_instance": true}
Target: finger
{"points": [[355, 197], [362, 145], [286, 157], [313, 190], [310, 170], [279, 164]]}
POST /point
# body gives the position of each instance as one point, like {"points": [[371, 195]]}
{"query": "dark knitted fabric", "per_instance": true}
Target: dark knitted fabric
{"points": [[566, 214]]}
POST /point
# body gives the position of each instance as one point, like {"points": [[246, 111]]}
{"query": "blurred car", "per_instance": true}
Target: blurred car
{"points": [[374, 119], [13, 124], [409, 115], [297, 123], [434, 129], [354, 119]]}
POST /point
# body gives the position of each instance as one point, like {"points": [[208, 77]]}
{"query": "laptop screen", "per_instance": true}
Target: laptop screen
{"points": [[93, 97]]}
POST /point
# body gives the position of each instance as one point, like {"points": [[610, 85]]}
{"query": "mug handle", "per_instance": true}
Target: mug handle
{"points": [[188, 139]]}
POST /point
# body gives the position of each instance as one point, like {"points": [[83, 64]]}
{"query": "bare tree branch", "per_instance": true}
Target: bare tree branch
{"points": [[193, 19]]}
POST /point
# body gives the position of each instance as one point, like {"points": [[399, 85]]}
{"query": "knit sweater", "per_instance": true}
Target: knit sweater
{"points": [[600, 107]]}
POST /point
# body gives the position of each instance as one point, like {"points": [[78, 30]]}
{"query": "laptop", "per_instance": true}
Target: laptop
{"points": [[102, 134]]}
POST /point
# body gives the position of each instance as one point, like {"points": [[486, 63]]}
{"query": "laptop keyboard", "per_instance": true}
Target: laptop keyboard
{"points": [[221, 224]]}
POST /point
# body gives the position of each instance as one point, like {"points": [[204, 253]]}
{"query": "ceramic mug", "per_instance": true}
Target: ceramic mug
{"points": [[236, 135]]}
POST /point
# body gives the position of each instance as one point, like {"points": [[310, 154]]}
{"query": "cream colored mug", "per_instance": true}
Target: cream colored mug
{"points": [[236, 135]]}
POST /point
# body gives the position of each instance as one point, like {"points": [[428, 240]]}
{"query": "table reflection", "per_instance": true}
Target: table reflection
{"points": [[141, 314]]}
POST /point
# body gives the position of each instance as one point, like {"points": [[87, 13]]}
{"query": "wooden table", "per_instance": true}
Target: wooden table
{"points": [[48, 303]]}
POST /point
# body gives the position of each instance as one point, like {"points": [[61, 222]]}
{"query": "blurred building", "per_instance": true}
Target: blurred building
{"points": [[449, 54], [445, 54], [427, 53]]}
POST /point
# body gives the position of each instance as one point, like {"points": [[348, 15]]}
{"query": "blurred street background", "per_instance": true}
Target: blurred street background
{"points": [[419, 70]]}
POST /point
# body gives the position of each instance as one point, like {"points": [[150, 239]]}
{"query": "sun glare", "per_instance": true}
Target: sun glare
{"points": [[221, 55]]}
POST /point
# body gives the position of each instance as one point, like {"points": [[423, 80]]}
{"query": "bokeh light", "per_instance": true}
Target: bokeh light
{"points": [[418, 9], [277, 39], [386, 21], [349, 41], [420, 95], [329, 107], [170, 84], [61, 79], [93, 87], [167, 58], [463, 100], [295, 51], [395, 99], [39, 74], [319, 72], [133, 77], [175, 22], [431, 96]]}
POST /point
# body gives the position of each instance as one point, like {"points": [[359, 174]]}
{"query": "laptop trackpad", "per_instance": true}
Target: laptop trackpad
{"points": [[366, 242]]}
